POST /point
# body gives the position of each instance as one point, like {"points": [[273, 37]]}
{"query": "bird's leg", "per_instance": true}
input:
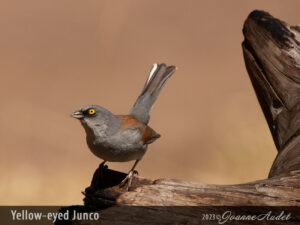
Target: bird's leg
{"points": [[128, 178]]}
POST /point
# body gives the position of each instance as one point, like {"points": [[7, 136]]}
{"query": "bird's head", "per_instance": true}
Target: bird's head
{"points": [[93, 116]]}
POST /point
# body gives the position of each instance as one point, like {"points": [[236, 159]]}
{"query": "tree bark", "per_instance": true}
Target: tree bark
{"points": [[272, 56]]}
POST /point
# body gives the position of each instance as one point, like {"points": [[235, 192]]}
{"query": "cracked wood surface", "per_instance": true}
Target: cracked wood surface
{"points": [[272, 56], [276, 191]]}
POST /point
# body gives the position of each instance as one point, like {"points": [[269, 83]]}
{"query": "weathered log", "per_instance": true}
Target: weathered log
{"points": [[272, 56], [276, 191]]}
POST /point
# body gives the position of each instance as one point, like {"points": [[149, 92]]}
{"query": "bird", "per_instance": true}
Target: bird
{"points": [[123, 138]]}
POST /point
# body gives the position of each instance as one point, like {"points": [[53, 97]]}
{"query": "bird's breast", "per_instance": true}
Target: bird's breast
{"points": [[117, 148]]}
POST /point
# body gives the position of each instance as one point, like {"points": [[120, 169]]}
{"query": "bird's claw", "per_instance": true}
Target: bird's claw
{"points": [[128, 179]]}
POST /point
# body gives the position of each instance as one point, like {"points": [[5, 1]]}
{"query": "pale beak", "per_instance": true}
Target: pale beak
{"points": [[77, 115]]}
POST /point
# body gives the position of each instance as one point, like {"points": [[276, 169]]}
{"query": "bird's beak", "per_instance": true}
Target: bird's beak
{"points": [[77, 115]]}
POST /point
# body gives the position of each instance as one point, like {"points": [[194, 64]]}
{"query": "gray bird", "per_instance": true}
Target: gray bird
{"points": [[122, 138]]}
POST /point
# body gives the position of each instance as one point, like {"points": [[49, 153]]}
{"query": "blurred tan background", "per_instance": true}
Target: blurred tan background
{"points": [[59, 55]]}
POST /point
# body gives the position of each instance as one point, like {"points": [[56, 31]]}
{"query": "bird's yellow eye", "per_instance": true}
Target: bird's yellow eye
{"points": [[92, 111]]}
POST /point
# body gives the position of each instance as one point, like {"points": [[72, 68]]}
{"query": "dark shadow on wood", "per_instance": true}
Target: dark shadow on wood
{"points": [[104, 188]]}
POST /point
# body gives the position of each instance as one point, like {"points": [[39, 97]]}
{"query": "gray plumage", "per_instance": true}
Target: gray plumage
{"points": [[122, 138], [106, 138]]}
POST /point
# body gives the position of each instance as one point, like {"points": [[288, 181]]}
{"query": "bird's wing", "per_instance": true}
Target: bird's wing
{"points": [[147, 133]]}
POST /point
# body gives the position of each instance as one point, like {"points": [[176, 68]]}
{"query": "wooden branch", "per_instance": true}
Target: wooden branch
{"points": [[272, 57], [276, 191]]}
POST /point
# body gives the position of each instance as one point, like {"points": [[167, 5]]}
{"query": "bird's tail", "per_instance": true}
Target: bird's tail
{"points": [[159, 74]]}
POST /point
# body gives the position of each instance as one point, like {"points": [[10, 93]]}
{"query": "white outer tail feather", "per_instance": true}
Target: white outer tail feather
{"points": [[154, 68]]}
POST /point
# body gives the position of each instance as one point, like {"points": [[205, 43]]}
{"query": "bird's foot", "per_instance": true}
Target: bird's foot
{"points": [[128, 179]]}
